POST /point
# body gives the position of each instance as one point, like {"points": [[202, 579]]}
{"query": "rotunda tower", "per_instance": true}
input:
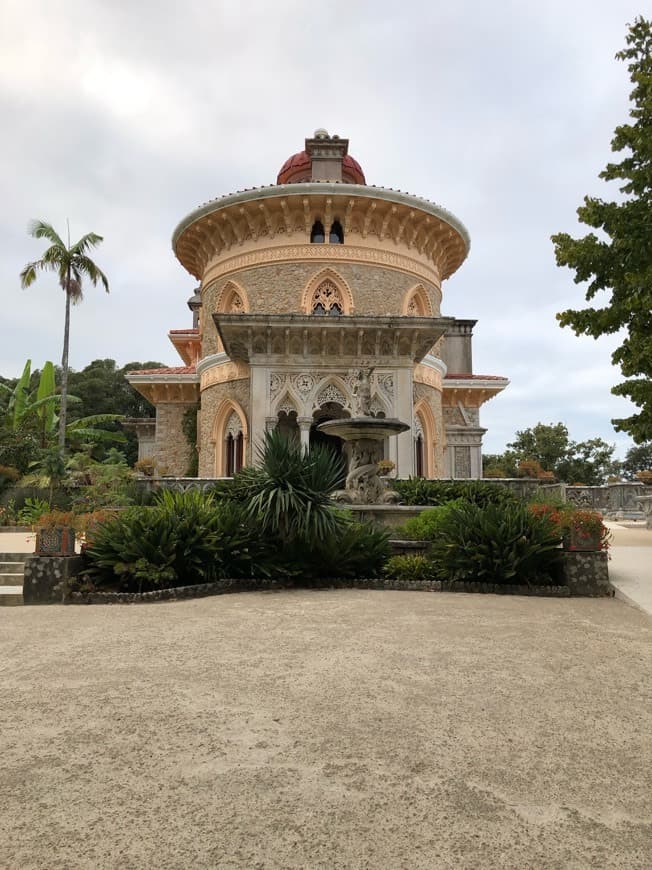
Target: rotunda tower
{"points": [[303, 283]]}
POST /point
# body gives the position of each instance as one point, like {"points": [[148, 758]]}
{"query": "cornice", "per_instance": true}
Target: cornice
{"points": [[385, 339], [387, 218], [434, 362], [310, 188], [213, 359]]}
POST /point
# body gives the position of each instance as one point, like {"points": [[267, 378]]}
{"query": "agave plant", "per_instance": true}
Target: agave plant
{"points": [[289, 496]]}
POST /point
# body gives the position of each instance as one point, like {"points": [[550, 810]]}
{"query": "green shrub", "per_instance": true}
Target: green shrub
{"points": [[32, 510], [354, 550], [425, 526], [497, 544], [409, 569], [419, 491], [183, 539]]}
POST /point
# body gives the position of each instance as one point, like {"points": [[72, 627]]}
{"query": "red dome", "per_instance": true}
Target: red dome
{"points": [[298, 167]]}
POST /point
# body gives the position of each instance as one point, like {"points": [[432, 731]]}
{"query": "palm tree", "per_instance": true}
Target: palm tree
{"points": [[71, 263]]}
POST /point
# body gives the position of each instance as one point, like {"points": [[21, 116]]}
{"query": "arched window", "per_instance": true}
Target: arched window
{"points": [[287, 424], [419, 452], [336, 236], [233, 445], [317, 235], [236, 305], [327, 300]]}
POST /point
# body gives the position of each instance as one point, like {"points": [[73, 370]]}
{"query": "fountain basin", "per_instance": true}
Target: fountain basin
{"points": [[363, 445], [373, 428]]}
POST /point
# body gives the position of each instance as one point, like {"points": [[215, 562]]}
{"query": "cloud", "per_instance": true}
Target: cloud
{"points": [[123, 117]]}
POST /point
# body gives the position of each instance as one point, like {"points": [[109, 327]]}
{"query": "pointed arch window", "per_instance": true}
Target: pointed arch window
{"points": [[336, 236], [317, 234], [327, 300], [235, 304], [233, 445], [419, 451]]}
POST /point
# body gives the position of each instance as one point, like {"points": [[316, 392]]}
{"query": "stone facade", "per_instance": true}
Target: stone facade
{"points": [[310, 281], [172, 451], [211, 400]]}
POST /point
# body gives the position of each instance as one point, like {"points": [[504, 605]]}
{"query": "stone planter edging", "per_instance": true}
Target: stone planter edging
{"points": [[224, 587]]}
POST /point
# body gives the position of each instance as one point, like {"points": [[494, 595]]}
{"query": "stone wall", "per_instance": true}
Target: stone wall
{"points": [[614, 500], [586, 573], [172, 451], [46, 578], [278, 289], [211, 399]]}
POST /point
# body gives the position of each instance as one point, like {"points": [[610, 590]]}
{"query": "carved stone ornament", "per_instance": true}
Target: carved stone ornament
{"points": [[462, 462], [363, 484], [303, 383], [362, 392], [326, 297], [386, 384], [276, 384], [422, 269], [331, 393], [233, 426]]}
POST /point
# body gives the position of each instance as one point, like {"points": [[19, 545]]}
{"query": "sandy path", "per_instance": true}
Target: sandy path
{"points": [[348, 729]]}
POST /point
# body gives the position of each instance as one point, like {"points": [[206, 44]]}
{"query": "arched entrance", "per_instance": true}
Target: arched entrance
{"points": [[287, 425], [328, 411]]}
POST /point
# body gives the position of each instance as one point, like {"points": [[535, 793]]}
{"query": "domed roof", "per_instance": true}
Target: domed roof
{"points": [[298, 167]]}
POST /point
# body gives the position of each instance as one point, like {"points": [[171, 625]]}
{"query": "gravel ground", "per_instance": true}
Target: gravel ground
{"points": [[327, 729]]}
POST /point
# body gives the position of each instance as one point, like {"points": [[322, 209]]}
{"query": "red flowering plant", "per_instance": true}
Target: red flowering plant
{"points": [[585, 530], [87, 524], [578, 529]]}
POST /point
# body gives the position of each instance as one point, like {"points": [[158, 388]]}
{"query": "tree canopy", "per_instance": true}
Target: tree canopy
{"points": [[637, 459], [619, 260], [550, 447]]}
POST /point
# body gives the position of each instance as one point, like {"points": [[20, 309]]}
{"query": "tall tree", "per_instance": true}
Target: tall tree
{"points": [[72, 264], [620, 260], [588, 462], [637, 459]]}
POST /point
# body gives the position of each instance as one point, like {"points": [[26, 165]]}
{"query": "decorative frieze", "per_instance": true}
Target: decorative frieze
{"points": [[219, 374], [330, 253]]}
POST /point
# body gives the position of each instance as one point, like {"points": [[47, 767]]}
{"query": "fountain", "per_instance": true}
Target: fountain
{"points": [[645, 501], [363, 437]]}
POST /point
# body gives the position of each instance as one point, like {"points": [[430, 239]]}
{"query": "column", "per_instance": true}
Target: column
{"points": [[304, 425], [259, 405], [404, 408]]}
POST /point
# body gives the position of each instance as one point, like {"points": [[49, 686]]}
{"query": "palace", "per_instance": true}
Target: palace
{"points": [[301, 285]]}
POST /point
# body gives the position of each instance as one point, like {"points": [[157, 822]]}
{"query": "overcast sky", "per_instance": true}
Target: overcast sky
{"points": [[124, 115]]}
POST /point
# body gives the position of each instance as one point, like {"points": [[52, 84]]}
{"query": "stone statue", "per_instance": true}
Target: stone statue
{"points": [[362, 392]]}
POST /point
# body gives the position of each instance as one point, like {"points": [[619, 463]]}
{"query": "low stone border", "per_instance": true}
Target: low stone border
{"points": [[224, 587], [201, 590]]}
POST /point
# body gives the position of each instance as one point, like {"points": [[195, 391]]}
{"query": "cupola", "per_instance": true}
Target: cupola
{"points": [[325, 158]]}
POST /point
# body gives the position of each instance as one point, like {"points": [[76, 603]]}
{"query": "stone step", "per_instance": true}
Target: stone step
{"points": [[11, 596], [14, 557]]}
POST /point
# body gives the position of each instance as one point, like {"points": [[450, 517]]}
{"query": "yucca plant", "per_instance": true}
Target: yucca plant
{"points": [[289, 496]]}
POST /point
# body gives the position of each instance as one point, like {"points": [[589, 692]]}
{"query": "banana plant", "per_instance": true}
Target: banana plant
{"points": [[38, 409]]}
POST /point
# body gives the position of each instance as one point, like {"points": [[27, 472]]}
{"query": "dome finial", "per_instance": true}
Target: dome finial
{"points": [[321, 133]]}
